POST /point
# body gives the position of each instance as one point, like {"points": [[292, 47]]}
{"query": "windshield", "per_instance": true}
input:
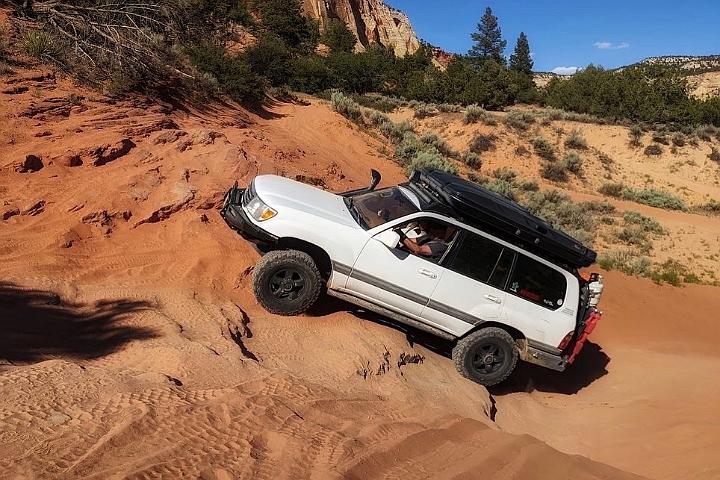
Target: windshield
{"points": [[376, 208]]}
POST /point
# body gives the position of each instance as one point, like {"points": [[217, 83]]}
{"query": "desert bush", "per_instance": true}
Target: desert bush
{"points": [[543, 148], [714, 155], [625, 261], [635, 235], [471, 159], [346, 107], [521, 151], [605, 160], [561, 212], [475, 114], [40, 45], [438, 143], [505, 174], [612, 189], [482, 143], [430, 160], [661, 138], [424, 110], [395, 132], [710, 208], [376, 118], [376, 101], [528, 186], [576, 141], [653, 150], [671, 271], [449, 108], [519, 119], [554, 171], [599, 207], [655, 198], [706, 132], [648, 224], [635, 133], [573, 163], [503, 187], [679, 140], [231, 73], [4, 42]]}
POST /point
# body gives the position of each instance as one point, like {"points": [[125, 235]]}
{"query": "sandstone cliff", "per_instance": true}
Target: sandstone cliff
{"points": [[372, 21]]}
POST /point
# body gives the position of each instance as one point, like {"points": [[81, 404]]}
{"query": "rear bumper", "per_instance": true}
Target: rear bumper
{"points": [[545, 359], [236, 218]]}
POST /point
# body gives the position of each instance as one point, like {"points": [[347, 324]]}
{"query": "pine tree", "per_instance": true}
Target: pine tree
{"points": [[520, 60], [489, 44], [339, 37]]}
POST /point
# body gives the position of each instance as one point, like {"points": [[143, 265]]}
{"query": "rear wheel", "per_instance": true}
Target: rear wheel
{"points": [[487, 356], [287, 282]]}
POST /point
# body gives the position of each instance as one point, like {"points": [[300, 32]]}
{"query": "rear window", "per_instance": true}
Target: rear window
{"points": [[483, 260], [538, 283]]}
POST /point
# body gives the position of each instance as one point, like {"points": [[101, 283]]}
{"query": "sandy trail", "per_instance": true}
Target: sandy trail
{"points": [[133, 348]]}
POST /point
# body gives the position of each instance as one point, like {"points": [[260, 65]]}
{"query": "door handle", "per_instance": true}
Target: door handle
{"points": [[493, 298], [427, 273]]}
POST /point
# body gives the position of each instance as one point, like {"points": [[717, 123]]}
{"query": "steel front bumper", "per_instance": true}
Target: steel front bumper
{"points": [[236, 218]]}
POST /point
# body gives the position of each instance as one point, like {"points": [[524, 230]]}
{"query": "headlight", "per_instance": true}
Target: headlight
{"points": [[257, 209]]}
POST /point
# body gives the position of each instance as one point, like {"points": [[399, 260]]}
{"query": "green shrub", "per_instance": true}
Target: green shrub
{"points": [[561, 212], [40, 44], [595, 206], [505, 174], [482, 143], [648, 224], [544, 149], [714, 155], [449, 108], [710, 208], [424, 111], [438, 143], [346, 107], [679, 140], [626, 262], [529, 186], [376, 118], [503, 187], [671, 272], [653, 150], [378, 102], [554, 171], [573, 163], [430, 160], [4, 42], [519, 119], [605, 160], [232, 73], [660, 138], [338, 36], [635, 133], [614, 190], [706, 132], [576, 141], [637, 236], [471, 159], [521, 151], [475, 114], [395, 132], [655, 198]]}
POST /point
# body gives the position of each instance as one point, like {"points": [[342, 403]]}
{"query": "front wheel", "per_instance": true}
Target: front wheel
{"points": [[487, 356], [287, 282]]}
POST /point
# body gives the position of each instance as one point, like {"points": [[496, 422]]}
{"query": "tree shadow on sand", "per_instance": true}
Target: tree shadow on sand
{"points": [[37, 325], [589, 366]]}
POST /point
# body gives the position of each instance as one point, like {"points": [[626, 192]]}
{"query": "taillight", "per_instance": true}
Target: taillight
{"points": [[566, 341]]}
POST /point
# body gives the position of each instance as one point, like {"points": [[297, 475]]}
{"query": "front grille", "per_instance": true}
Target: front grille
{"points": [[249, 194]]}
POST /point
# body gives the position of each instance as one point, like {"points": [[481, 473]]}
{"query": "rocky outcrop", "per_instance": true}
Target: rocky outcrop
{"points": [[372, 21]]}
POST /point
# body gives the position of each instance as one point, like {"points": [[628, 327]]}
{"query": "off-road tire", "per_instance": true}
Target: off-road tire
{"points": [[270, 270], [466, 351]]}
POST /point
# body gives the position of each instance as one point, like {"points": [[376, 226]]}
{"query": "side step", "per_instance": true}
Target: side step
{"points": [[398, 317]]}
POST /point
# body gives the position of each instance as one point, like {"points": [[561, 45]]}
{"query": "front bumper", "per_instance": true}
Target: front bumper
{"points": [[236, 218]]}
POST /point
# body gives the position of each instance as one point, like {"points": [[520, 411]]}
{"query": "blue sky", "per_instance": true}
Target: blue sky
{"points": [[575, 33]]}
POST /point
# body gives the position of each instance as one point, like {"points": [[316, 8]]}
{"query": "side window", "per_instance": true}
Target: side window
{"points": [[538, 283], [482, 259]]}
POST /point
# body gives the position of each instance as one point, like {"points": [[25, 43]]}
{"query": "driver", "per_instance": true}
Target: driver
{"points": [[433, 243]]}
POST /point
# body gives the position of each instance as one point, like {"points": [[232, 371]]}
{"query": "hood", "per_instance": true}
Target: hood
{"points": [[282, 193]]}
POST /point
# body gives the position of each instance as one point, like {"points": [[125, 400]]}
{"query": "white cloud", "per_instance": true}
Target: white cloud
{"points": [[610, 45], [564, 70]]}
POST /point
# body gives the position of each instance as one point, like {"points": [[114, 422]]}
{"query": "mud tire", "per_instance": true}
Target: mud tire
{"points": [[492, 343], [286, 282]]}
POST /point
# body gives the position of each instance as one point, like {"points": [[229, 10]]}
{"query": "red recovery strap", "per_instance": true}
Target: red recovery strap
{"points": [[592, 321]]}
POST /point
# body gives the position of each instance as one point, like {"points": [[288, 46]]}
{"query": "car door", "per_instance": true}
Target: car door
{"points": [[394, 278], [471, 288], [535, 302]]}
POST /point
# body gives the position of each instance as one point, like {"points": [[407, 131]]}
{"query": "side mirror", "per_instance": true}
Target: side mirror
{"points": [[389, 238], [376, 177]]}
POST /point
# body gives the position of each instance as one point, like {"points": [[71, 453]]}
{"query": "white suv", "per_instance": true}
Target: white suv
{"points": [[438, 253]]}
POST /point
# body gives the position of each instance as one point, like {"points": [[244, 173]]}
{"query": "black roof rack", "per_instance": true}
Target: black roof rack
{"points": [[468, 202]]}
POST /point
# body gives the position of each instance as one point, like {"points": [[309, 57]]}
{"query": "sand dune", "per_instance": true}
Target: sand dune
{"points": [[132, 346]]}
